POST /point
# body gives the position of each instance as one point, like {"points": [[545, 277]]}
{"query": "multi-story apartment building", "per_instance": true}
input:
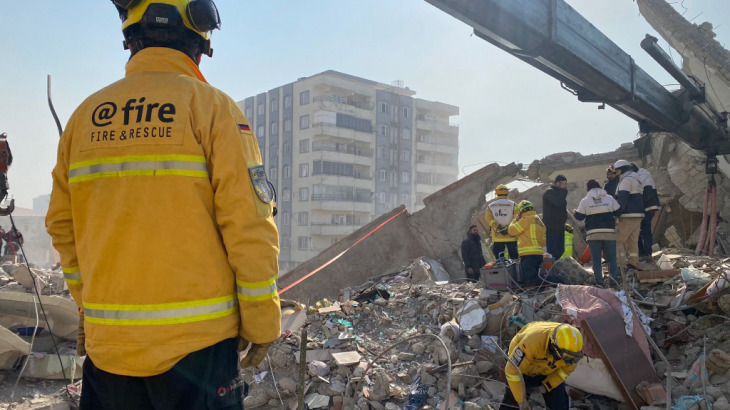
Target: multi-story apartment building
{"points": [[341, 150]]}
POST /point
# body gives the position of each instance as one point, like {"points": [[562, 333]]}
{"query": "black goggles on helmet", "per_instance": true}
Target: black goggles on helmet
{"points": [[567, 356], [202, 14]]}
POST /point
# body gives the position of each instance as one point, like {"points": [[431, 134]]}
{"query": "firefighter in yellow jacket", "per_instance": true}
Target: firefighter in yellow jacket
{"points": [[163, 217], [530, 232], [499, 215], [545, 353]]}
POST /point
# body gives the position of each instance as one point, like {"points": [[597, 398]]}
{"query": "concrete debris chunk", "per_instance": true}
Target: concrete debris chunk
{"points": [[472, 318], [18, 310], [12, 348], [48, 366]]}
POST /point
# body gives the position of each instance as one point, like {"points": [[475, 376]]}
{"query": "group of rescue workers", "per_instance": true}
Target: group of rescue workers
{"points": [[617, 223]]}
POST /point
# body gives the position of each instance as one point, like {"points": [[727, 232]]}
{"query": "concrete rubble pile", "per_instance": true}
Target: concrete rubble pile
{"points": [[684, 304], [42, 377]]}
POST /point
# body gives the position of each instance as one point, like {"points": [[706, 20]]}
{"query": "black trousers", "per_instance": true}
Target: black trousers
{"points": [[205, 379], [530, 266], [555, 399], [646, 239], [498, 247], [555, 243]]}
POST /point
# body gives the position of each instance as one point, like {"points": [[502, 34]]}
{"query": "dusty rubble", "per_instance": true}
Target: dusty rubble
{"points": [[42, 385]]}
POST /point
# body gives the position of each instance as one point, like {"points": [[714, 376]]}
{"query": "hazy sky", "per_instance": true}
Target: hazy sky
{"points": [[509, 110]]}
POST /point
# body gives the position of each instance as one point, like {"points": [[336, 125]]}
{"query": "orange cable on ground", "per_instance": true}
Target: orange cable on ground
{"points": [[341, 253]]}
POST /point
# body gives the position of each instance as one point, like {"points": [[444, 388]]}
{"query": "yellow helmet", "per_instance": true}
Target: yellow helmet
{"points": [[567, 343], [501, 190], [525, 206], [198, 16]]}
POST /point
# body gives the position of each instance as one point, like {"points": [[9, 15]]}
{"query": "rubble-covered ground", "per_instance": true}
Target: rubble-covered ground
{"points": [[350, 363]]}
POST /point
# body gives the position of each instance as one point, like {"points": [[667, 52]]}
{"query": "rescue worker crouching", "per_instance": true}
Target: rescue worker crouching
{"points": [[499, 215], [163, 325], [545, 354], [530, 233]]}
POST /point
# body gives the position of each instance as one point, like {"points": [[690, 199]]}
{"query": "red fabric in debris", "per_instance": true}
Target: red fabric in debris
{"points": [[589, 301]]}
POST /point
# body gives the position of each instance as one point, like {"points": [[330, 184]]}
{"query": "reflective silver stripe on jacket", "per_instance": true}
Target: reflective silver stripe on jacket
{"points": [[138, 166]]}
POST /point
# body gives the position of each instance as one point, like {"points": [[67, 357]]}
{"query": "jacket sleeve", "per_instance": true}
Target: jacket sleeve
{"points": [[516, 227], [615, 207], [465, 254], [521, 358], [245, 222], [580, 213], [557, 197], [558, 377], [489, 216], [59, 221]]}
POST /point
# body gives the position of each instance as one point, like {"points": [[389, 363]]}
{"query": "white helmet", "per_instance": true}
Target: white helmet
{"points": [[621, 163]]}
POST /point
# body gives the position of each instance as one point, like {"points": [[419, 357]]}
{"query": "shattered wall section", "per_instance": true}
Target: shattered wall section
{"points": [[435, 232]]}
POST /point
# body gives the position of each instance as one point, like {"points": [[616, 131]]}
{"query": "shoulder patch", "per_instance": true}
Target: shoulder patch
{"points": [[518, 356], [244, 129], [260, 184]]}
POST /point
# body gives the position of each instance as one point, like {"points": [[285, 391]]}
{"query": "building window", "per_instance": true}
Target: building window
{"points": [[406, 134], [303, 146], [383, 152], [304, 194], [274, 106], [260, 132], [261, 109], [406, 112], [287, 125], [384, 130], [303, 243], [384, 175], [383, 197], [272, 173], [284, 242], [286, 195], [406, 199], [304, 97], [303, 218], [273, 151], [274, 128], [303, 170], [304, 122], [384, 108], [249, 112], [405, 177], [287, 148], [405, 155], [286, 171], [285, 218], [287, 101]]}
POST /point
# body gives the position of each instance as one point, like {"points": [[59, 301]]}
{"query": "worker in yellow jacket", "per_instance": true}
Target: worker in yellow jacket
{"points": [[568, 242], [163, 217], [530, 232], [499, 215], [545, 354]]}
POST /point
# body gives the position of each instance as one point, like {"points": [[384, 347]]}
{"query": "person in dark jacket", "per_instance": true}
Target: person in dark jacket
{"points": [[554, 216], [599, 210], [611, 182], [472, 254]]}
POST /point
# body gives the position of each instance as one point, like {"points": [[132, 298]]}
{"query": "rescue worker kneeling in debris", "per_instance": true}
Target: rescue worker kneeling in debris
{"points": [[499, 215], [530, 233], [545, 354], [163, 217]]}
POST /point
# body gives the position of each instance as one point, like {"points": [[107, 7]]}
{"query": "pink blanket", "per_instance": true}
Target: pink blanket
{"points": [[589, 301]]}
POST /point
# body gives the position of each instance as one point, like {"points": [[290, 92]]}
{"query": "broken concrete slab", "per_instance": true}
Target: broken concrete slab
{"points": [[346, 358], [18, 310], [48, 366], [316, 401], [12, 348], [472, 318], [656, 276], [592, 376], [293, 321]]}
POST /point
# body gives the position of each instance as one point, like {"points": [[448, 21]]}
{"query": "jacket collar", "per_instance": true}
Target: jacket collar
{"points": [[163, 60], [529, 213], [597, 193]]}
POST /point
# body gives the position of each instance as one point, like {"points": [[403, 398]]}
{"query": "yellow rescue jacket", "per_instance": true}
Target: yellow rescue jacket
{"points": [[568, 245], [530, 351], [499, 205], [161, 216], [530, 233]]}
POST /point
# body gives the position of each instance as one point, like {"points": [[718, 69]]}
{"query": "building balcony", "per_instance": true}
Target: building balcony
{"points": [[358, 181], [438, 169], [329, 229], [331, 130], [334, 203], [438, 126], [443, 148], [427, 188], [332, 151], [344, 106]]}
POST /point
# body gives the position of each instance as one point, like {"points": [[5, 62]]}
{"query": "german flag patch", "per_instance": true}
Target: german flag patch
{"points": [[244, 129]]}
